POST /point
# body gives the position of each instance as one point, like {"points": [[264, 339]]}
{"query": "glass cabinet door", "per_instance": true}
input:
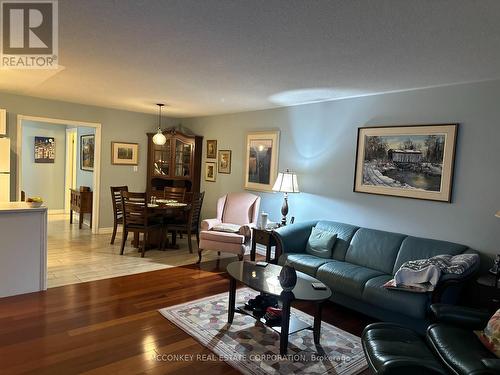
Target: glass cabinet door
{"points": [[183, 153], [161, 159]]}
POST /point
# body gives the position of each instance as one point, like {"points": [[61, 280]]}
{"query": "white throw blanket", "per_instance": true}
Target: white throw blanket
{"points": [[415, 272]]}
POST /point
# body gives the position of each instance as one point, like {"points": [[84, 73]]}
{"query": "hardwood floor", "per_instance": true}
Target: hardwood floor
{"points": [[77, 255], [112, 326]]}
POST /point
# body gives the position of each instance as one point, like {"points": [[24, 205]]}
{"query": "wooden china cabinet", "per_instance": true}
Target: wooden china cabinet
{"points": [[177, 163]]}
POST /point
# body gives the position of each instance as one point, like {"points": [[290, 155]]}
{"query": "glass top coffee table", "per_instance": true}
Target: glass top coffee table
{"points": [[265, 280]]}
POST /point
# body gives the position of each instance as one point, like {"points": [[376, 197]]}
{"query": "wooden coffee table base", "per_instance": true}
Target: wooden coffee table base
{"points": [[289, 324]]}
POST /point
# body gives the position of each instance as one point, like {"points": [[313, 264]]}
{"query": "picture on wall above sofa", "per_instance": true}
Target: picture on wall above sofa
{"points": [[261, 160], [406, 161]]}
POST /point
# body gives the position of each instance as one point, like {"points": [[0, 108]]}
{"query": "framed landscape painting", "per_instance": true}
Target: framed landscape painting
{"points": [[87, 144], [261, 160], [123, 153], [406, 161]]}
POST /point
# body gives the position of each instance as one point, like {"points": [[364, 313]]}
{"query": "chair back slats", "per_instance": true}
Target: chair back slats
{"points": [[175, 193], [116, 198], [195, 210], [134, 208]]}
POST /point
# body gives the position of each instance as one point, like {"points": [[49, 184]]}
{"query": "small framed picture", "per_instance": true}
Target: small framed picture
{"points": [[87, 144], [211, 149], [45, 150], [210, 171], [224, 161], [123, 153]]}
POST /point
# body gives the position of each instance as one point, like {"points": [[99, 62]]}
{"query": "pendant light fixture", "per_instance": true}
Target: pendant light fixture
{"points": [[159, 139]]}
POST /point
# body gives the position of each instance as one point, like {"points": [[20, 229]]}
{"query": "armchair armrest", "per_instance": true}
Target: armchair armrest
{"points": [[208, 224], [246, 230], [460, 316], [492, 364], [293, 238]]}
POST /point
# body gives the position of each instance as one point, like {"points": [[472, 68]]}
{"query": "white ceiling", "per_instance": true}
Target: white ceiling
{"points": [[216, 56]]}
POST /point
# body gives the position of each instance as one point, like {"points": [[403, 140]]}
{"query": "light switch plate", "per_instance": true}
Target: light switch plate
{"points": [[135, 168]]}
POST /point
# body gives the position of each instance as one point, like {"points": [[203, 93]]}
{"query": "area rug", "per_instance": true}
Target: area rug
{"points": [[253, 348]]}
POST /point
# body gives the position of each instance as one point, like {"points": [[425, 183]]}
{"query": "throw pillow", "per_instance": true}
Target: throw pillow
{"points": [[490, 336], [228, 228], [320, 243]]}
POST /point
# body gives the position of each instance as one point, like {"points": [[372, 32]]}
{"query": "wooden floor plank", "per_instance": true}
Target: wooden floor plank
{"points": [[113, 326]]}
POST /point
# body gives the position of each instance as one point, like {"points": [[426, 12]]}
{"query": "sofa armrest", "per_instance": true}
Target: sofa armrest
{"points": [[492, 364], [293, 238], [462, 316], [208, 224]]}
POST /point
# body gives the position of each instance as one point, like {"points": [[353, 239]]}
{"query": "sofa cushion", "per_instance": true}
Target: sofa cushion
{"points": [[459, 348], [303, 262], [407, 303], [222, 236], [347, 278], [344, 233], [374, 249], [414, 248], [320, 243]]}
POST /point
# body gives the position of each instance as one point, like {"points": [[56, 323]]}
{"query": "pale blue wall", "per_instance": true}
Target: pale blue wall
{"points": [[44, 180], [117, 125], [318, 141]]}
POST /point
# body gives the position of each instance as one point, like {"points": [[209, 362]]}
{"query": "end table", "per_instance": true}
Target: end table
{"points": [[263, 237]]}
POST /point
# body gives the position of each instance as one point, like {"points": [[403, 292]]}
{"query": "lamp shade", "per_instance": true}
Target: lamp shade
{"points": [[286, 182], [159, 139], [498, 214]]}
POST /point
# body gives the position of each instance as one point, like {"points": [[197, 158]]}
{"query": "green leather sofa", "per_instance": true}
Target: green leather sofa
{"points": [[362, 261], [449, 346]]}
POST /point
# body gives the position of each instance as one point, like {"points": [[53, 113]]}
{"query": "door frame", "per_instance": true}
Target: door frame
{"points": [[69, 178], [97, 157]]}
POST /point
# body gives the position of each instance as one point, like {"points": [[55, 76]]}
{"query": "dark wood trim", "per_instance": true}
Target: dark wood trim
{"points": [[453, 161]]}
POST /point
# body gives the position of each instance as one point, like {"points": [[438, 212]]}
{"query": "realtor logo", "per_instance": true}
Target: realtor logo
{"points": [[29, 34]]}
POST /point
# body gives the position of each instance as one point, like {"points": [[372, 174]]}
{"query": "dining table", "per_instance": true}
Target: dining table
{"points": [[167, 210]]}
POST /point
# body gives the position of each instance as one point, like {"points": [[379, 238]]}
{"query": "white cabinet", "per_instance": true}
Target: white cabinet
{"points": [[3, 122], [4, 155], [23, 249]]}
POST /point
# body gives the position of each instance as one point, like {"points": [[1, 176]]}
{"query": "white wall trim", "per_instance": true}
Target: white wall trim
{"points": [[69, 179], [97, 158]]}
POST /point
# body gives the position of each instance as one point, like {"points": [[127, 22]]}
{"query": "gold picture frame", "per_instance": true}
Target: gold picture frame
{"points": [[211, 149], [415, 161], [210, 171], [124, 153], [224, 161], [261, 160]]}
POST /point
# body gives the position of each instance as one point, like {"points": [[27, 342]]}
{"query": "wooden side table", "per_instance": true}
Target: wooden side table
{"points": [[263, 237]]}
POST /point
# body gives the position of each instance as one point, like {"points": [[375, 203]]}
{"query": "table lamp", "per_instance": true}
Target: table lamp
{"points": [[286, 182]]}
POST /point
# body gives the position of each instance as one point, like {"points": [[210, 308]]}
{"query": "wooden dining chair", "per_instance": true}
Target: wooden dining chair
{"points": [[116, 198], [175, 193], [191, 225], [137, 219]]}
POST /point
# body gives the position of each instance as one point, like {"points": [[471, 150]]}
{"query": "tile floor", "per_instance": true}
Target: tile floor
{"points": [[76, 255]]}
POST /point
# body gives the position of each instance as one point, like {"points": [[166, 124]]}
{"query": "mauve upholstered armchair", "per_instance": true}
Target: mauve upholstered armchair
{"points": [[233, 208]]}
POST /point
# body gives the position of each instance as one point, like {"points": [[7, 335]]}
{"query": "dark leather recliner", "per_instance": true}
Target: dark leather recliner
{"points": [[450, 346]]}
